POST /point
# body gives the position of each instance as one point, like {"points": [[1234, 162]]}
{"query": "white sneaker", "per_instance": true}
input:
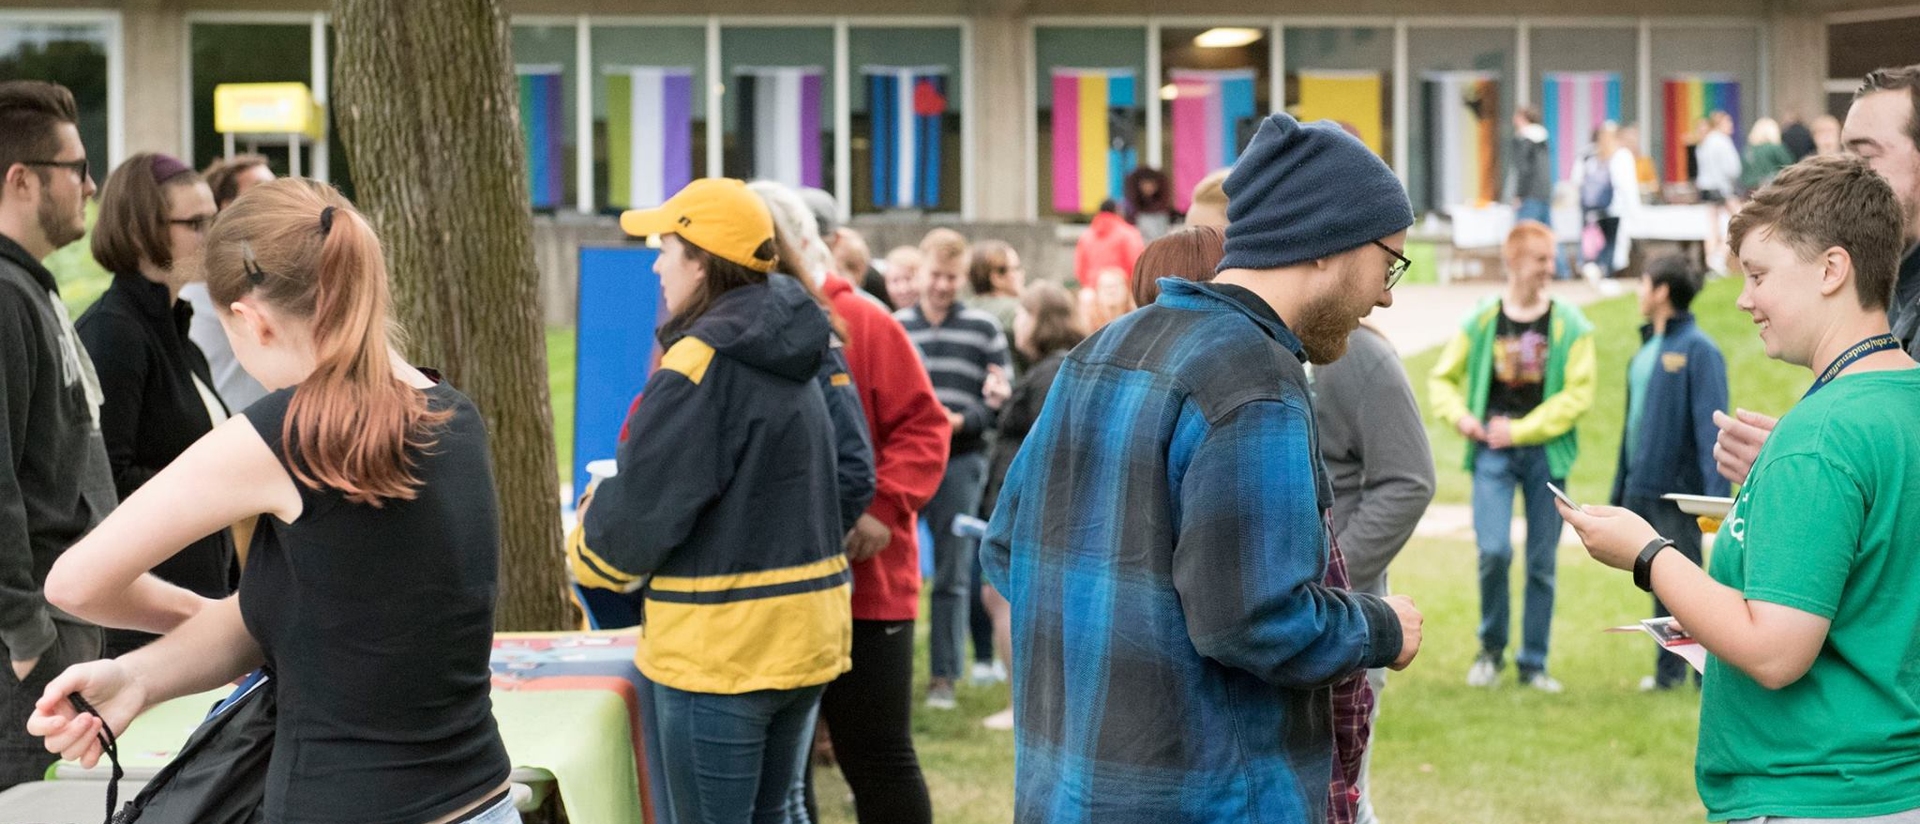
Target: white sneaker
{"points": [[981, 674], [1001, 721], [940, 697], [1485, 670], [1543, 682]]}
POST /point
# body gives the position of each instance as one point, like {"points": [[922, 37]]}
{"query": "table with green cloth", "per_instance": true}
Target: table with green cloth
{"points": [[568, 705]]}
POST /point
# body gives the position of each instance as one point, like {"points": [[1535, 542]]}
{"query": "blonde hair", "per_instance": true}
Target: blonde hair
{"points": [[298, 245], [1764, 132], [792, 218], [945, 245], [1212, 190]]}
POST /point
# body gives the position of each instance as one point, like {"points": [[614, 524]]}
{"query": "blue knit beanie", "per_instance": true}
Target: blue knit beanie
{"points": [[1304, 191]]}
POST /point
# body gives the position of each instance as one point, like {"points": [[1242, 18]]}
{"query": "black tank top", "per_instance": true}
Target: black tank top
{"points": [[377, 624]]}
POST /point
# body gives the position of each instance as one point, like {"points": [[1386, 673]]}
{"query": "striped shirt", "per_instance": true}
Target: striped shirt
{"points": [[957, 353]]}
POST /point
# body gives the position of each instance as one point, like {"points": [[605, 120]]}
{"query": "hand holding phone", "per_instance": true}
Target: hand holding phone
{"points": [[1564, 497]]}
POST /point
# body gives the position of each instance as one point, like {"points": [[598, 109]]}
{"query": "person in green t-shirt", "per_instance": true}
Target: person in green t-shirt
{"points": [[1810, 607]]}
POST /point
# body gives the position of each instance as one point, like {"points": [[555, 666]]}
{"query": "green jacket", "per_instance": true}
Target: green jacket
{"points": [[1462, 377]]}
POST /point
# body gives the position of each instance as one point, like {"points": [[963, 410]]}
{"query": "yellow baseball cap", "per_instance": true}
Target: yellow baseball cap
{"points": [[718, 214]]}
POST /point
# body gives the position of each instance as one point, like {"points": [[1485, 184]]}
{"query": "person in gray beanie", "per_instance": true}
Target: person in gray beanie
{"points": [[1162, 534]]}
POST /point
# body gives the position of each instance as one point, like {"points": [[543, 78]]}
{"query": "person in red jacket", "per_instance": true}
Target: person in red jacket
{"points": [[1111, 242], [868, 711]]}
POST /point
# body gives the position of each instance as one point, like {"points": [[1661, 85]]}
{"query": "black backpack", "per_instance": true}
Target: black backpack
{"points": [[220, 774]]}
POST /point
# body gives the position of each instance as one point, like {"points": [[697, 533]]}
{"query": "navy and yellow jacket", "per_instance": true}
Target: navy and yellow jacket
{"points": [[726, 507]]}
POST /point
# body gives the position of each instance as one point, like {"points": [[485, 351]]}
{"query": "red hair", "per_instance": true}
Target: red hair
{"points": [[351, 423]]}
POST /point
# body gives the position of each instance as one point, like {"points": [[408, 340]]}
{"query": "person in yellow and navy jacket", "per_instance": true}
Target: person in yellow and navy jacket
{"points": [[725, 514], [1515, 380]]}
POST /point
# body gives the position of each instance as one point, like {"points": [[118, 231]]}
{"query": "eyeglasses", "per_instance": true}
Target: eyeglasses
{"points": [[198, 224], [77, 167], [1399, 267]]}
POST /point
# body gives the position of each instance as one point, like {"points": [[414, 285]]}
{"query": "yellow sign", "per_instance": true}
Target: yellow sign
{"points": [[1352, 98], [266, 108]]}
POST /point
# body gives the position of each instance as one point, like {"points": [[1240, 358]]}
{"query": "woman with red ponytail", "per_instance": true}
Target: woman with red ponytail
{"points": [[369, 591]]}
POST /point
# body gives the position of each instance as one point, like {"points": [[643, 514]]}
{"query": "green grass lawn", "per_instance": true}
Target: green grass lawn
{"points": [[1755, 382], [1445, 753]]}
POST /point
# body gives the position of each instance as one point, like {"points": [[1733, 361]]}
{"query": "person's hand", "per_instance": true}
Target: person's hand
{"points": [[955, 420], [110, 686], [1613, 536], [22, 669], [580, 509], [1500, 433], [868, 537], [1741, 436], [1469, 426], [1410, 621], [995, 389]]}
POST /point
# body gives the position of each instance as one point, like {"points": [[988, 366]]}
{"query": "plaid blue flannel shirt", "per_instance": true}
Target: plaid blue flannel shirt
{"points": [[1161, 539]]}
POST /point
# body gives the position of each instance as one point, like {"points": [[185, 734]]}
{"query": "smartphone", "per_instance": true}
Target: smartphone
{"points": [[1562, 495]]}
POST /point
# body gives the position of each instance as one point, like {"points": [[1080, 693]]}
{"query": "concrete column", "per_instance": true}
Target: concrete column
{"points": [[154, 35], [1001, 97], [1798, 62]]}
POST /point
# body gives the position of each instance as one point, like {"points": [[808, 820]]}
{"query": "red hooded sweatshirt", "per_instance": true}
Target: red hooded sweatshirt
{"points": [[910, 437], [1110, 241]]}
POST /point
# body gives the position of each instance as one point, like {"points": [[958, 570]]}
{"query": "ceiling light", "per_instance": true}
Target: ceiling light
{"points": [[1170, 92], [1227, 38]]}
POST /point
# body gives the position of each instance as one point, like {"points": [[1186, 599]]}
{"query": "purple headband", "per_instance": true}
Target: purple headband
{"points": [[166, 167]]}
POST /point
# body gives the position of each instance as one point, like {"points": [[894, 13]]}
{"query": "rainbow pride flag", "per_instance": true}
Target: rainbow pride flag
{"points": [[1572, 106], [543, 129], [649, 134], [1462, 138], [1689, 98], [1093, 148], [1213, 115]]}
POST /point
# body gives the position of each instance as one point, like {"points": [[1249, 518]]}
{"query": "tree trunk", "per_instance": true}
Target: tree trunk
{"points": [[425, 99]]}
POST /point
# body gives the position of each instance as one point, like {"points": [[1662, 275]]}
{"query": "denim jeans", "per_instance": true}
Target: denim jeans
{"points": [[953, 586], [732, 759], [1497, 474], [502, 812]]}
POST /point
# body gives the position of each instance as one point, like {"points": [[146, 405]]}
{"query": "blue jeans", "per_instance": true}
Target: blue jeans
{"points": [[954, 589], [502, 812], [1497, 473], [732, 759]]}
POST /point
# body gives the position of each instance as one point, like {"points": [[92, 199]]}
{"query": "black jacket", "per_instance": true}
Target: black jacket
{"points": [[151, 413], [54, 480], [1016, 420]]}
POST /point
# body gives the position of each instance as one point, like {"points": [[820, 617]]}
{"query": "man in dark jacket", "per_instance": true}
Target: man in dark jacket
{"points": [[1674, 385], [54, 481], [1530, 170]]}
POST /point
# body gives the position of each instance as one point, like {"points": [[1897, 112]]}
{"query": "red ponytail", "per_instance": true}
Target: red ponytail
{"points": [[351, 423]]}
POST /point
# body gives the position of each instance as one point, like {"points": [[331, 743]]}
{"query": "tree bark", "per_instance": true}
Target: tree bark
{"points": [[426, 103]]}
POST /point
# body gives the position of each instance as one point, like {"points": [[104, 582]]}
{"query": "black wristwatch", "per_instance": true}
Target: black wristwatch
{"points": [[1643, 565]]}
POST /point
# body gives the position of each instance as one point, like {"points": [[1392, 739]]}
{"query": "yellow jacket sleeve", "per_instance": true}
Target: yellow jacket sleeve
{"points": [[590, 569], [1557, 415], [1446, 384]]}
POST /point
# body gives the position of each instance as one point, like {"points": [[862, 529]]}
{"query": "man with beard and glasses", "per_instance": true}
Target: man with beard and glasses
{"points": [[55, 483], [1162, 535], [1515, 379]]}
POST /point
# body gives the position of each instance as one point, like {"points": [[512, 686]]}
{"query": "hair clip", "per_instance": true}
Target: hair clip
{"points": [[250, 265], [326, 220]]}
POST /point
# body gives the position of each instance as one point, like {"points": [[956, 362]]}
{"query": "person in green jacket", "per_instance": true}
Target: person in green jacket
{"points": [[1766, 155], [1515, 380]]}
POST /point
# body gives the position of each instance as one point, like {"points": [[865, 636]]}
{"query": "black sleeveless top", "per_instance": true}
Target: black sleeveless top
{"points": [[377, 624]]}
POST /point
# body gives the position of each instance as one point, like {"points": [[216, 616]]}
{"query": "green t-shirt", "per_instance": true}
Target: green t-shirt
{"points": [[1639, 374], [1828, 523]]}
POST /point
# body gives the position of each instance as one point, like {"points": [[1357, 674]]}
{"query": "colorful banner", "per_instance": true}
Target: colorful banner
{"points": [[649, 134], [779, 117], [1572, 106], [1093, 136], [543, 129], [1213, 116], [1688, 99], [1352, 98], [1462, 138], [906, 107]]}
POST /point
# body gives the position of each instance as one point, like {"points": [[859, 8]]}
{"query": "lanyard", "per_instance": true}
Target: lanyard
{"points": [[1872, 345]]}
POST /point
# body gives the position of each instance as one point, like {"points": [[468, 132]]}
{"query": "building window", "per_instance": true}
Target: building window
{"points": [[1215, 89], [73, 55], [1580, 79], [649, 113], [1091, 89], [778, 104], [545, 66], [245, 53], [1344, 75], [1462, 101], [1696, 71], [905, 98]]}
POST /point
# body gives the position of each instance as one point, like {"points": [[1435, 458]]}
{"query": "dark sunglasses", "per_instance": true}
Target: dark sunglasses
{"points": [[1399, 266], [77, 167]]}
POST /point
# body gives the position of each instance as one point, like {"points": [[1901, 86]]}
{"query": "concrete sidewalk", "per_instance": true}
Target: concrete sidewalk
{"points": [[1424, 315]]}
